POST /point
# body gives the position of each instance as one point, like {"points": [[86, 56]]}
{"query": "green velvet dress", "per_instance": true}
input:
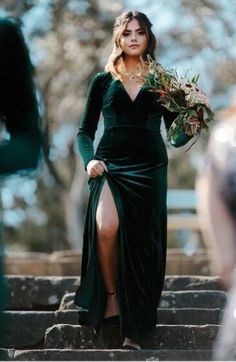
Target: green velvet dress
{"points": [[135, 154]]}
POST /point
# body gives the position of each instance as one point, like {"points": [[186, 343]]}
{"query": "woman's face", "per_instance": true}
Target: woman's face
{"points": [[133, 40]]}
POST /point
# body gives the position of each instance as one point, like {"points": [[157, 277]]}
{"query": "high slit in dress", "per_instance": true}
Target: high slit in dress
{"points": [[135, 154]]}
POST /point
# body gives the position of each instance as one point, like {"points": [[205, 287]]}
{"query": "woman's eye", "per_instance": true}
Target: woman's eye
{"points": [[125, 34], [141, 33]]}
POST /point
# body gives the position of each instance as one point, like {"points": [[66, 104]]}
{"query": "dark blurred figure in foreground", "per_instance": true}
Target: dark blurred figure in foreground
{"points": [[217, 209], [19, 116]]}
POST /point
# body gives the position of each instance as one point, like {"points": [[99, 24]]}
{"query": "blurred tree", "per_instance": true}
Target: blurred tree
{"points": [[68, 45]]}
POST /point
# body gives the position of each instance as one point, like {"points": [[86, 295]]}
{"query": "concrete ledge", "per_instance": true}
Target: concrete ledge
{"points": [[112, 355], [68, 263]]}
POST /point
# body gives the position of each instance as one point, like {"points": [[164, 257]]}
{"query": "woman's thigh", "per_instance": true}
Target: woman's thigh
{"points": [[107, 218]]}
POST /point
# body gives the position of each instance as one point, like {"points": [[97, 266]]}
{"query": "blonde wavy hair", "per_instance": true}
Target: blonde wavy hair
{"points": [[115, 64]]}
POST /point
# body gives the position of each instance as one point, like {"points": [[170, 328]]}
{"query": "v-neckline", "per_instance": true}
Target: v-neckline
{"points": [[140, 90]]}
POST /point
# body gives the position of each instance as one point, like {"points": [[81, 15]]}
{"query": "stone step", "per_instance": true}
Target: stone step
{"points": [[45, 293], [192, 282], [6, 354], [27, 328], [38, 293], [191, 316], [173, 299], [105, 355], [193, 299], [189, 337]]}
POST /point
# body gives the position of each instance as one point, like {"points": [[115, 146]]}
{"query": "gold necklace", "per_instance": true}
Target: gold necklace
{"points": [[139, 71], [139, 75], [136, 72]]}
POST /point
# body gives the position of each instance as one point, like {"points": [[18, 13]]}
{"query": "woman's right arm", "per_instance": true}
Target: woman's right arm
{"points": [[89, 120]]}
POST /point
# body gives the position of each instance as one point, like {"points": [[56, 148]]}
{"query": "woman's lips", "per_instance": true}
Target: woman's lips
{"points": [[134, 46]]}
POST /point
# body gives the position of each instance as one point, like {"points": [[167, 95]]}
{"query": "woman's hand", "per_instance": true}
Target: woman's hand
{"points": [[194, 121], [96, 168]]}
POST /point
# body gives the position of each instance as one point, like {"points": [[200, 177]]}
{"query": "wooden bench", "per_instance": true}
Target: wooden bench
{"points": [[181, 206]]}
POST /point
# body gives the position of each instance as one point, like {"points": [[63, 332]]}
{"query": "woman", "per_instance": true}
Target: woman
{"points": [[124, 246]]}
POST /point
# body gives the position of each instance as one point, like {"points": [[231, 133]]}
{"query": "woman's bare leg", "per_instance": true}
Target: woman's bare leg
{"points": [[107, 221]]}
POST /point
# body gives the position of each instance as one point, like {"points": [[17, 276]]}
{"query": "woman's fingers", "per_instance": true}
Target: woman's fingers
{"points": [[98, 169], [192, 121], [195, 121], [104, 165]]}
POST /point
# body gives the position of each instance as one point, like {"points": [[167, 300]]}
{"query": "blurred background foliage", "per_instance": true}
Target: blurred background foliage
{"points": [[69, 41]]}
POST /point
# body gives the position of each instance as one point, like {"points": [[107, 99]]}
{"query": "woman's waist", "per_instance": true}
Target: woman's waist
{"points": [[131, 127], [131, 140], [131, 133]]}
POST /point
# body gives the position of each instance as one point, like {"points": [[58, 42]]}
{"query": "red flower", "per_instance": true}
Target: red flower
{"points": [[200, 114], [161, 92]]}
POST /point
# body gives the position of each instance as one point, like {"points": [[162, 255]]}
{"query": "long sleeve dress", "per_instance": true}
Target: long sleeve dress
{"points": [[135, 154]]}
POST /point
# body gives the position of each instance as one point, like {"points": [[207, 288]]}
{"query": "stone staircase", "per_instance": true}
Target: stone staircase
{"points": [[41, 322]]}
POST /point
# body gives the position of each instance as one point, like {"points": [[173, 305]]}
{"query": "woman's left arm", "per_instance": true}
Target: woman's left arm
{"points": [[184, 135]]}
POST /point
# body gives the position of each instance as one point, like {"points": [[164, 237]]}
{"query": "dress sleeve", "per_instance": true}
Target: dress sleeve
{"points": [[182, 138], [89, 120]]}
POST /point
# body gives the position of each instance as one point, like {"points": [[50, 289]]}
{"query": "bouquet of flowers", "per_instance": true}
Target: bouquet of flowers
{"points": [[179, 94]]}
